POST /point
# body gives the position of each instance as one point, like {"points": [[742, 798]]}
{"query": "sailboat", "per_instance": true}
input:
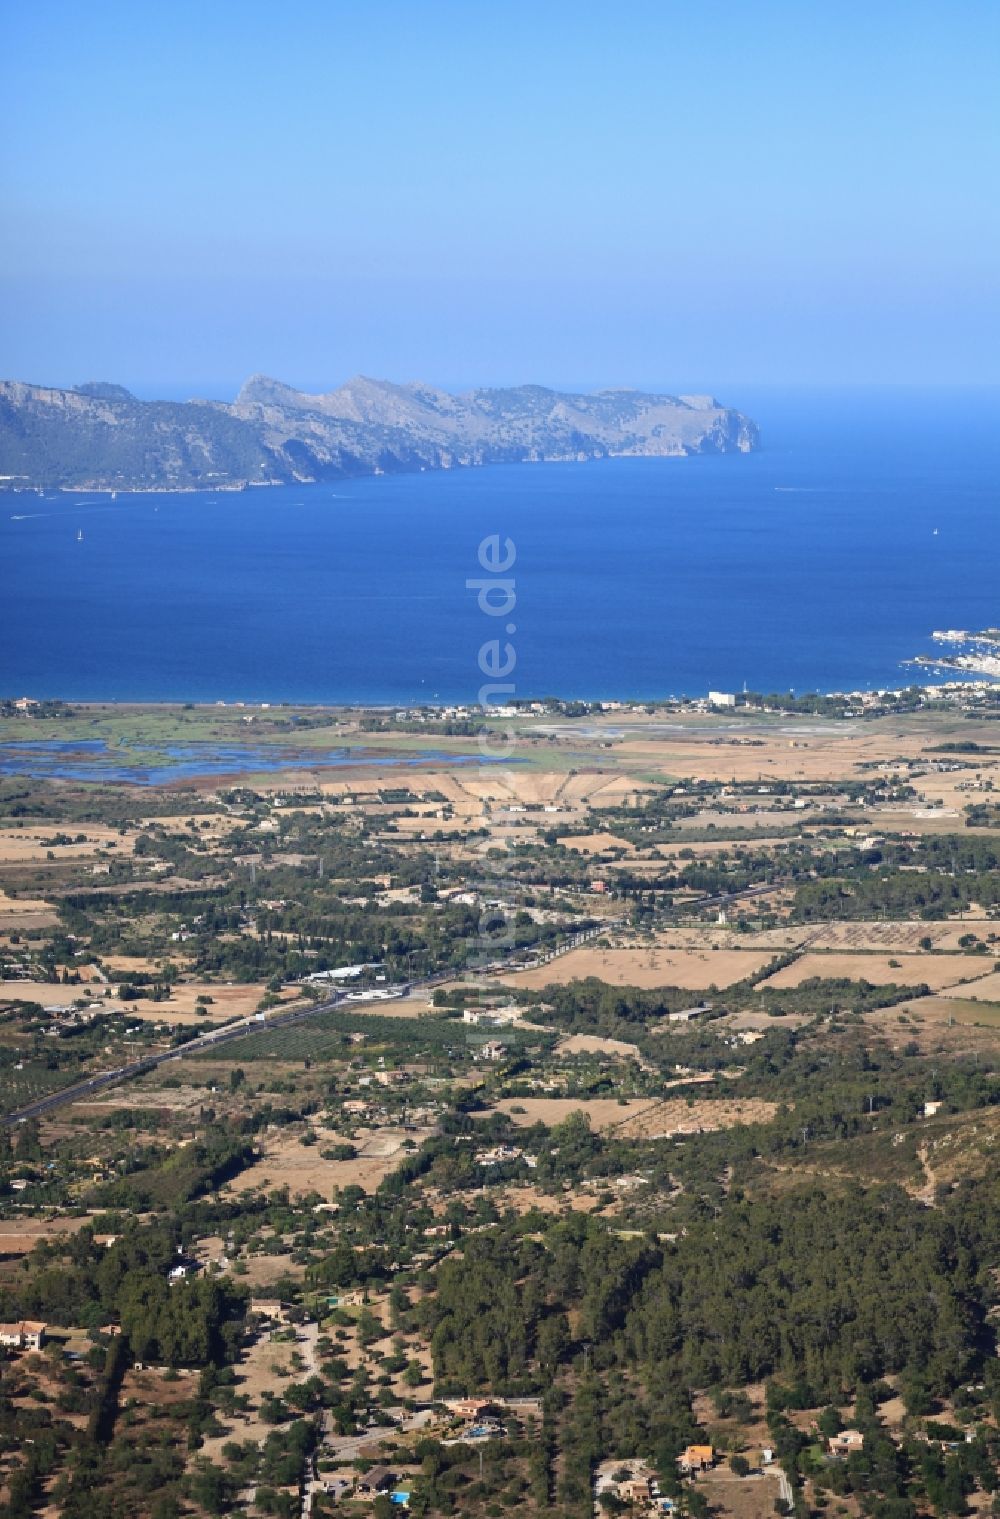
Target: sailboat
{"points": [[79, 535]]}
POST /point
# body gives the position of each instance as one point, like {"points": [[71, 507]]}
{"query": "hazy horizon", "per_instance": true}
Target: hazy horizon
{"points": [[780, 192]]}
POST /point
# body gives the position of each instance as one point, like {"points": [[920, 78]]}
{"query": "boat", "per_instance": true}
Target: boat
{"points": [[79, 535]]}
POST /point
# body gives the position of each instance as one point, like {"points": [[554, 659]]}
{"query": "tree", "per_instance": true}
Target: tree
{"points": [[829, 1423], [212, 1488], [553, 1340]]}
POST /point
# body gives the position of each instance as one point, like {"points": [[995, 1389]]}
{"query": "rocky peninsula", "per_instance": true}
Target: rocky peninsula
{"points": [[99, 436]]}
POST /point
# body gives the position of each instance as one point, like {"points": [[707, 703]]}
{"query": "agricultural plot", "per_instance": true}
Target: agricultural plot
{"points": [[145, 1093], [528, 1199], [211, 829], [20, 846], [749, 1021], [952, 1009], [327, 1036], [679, 1115], [183, 1006], [603, 1112], [19, 1236], [935, 971], [638, 1117], [34, 1080], [597, 843], [907, 938], [287, 1162], [732, 1497], [984, 989], [426, 826], [693, 969], [593, 1044], [940, 1027], [49, 993], [264, 1268], [706, 848], [784, 820], [716, 936], [923, 820], [138, 965], [25, 912]]}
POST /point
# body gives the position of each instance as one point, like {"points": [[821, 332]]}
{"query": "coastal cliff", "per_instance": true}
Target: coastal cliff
{"points": [[100, 437]]}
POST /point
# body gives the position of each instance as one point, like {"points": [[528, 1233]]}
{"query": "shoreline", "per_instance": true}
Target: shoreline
{"points": [[238, 487], [209, 747], [737, 704]]}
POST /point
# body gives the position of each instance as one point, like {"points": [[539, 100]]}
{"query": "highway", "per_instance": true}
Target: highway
{"points": [[258, 1023], [208, 1041]]}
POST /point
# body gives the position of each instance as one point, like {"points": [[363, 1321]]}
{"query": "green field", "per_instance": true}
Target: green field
{"points": [[324, 1038]]}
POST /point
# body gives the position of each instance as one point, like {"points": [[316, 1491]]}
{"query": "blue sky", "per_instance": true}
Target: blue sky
{"points": [[579, 193]]}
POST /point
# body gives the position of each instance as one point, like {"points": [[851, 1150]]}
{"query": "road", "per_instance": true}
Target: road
{"points": [[257, 1022], [307, 1341], [209, 1041]]}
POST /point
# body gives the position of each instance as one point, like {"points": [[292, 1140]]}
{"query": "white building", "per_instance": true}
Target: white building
{"points": [[27, 1335], [492, 1017], [491, 1050], [721, 699]]}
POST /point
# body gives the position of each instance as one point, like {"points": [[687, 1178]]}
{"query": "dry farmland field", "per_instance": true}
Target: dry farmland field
{"points": [[287, 1162], [25, 912], [593, 1044], [182, 1006], [598, 843], [985, 988], [903, 937], [694, 969], [936, 971], [33, 845], [639, 1118], [949, 1009], [734, 1497], [19, 1236]]}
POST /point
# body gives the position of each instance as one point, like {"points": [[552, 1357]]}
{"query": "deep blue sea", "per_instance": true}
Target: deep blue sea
{"points": [[868, 519]]}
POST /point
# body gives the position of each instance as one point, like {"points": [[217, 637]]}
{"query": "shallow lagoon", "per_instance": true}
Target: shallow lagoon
{"points": [[95, 760]]}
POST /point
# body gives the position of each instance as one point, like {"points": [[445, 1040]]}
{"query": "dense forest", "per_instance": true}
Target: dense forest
{"points": [[836, 1290]]}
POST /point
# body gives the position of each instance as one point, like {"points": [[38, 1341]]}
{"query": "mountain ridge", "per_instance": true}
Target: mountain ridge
{"points": [[99, 436]]}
